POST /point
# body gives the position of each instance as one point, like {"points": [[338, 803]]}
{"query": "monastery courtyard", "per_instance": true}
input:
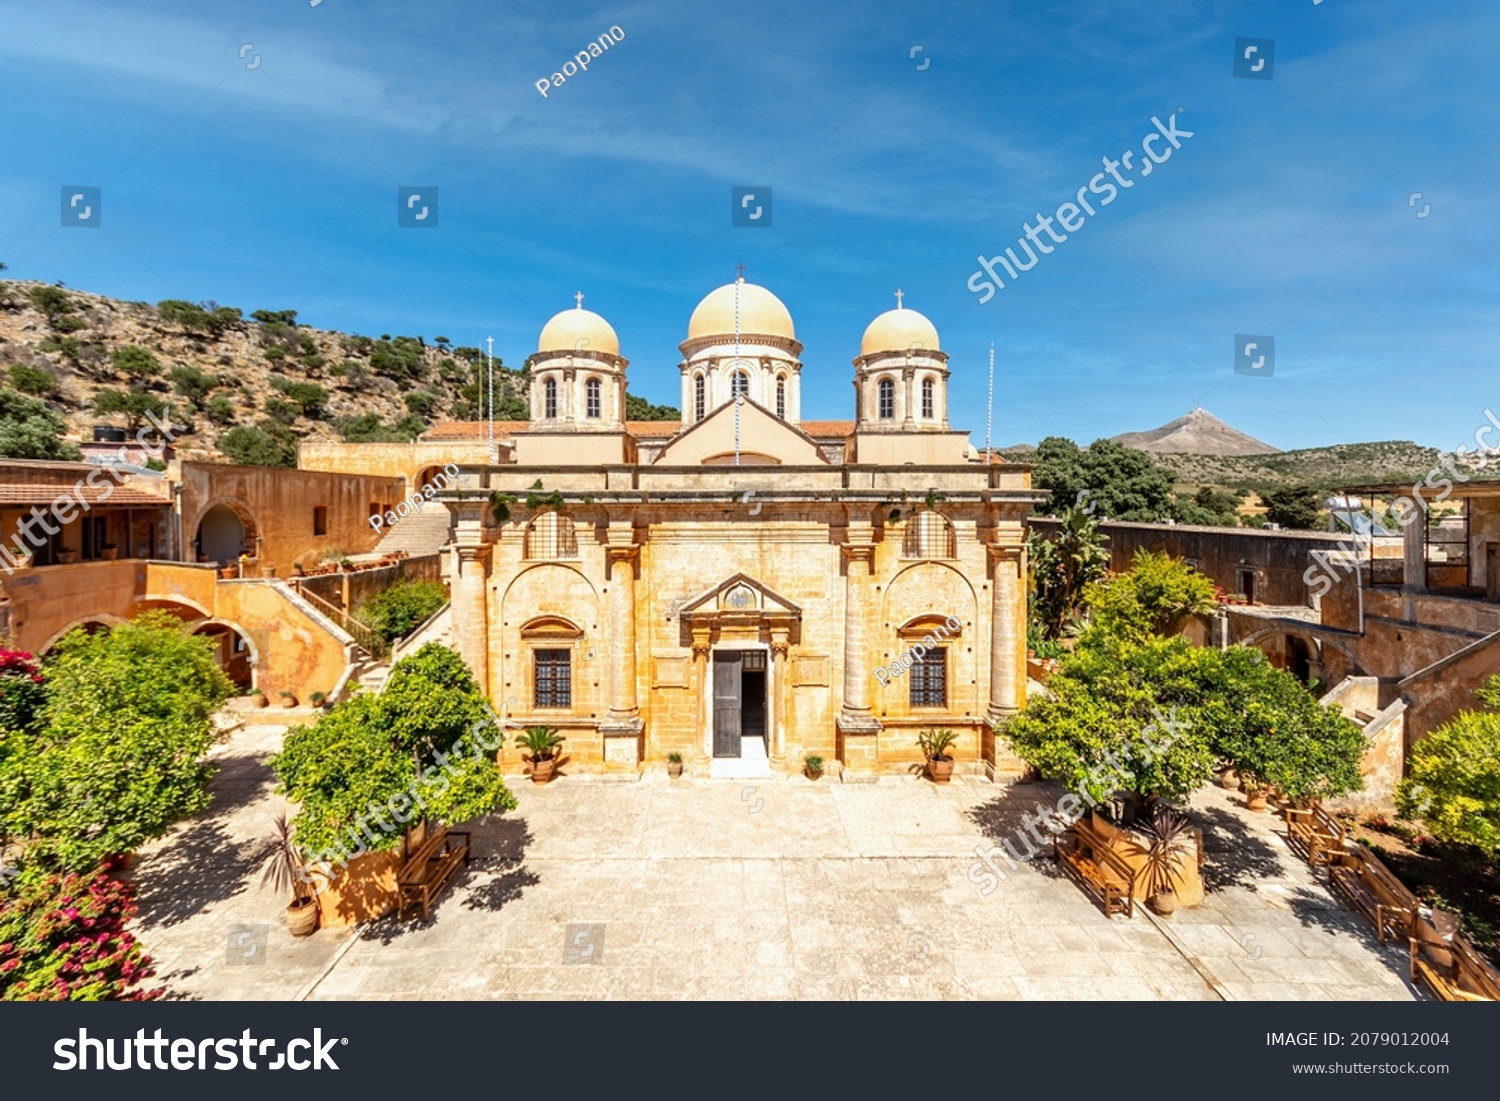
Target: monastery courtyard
{"points": [[730, 889]]}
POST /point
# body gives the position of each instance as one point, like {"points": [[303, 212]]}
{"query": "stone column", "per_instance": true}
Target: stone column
{"points": [[701, 648], [471, 616], [858, 727], [776, 701], [622, 727], [1007, 632], [908, 375], [1414, 546]]}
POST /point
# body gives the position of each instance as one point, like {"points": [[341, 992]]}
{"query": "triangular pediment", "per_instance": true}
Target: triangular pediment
{"points": [[740, 595], [763, 438]]}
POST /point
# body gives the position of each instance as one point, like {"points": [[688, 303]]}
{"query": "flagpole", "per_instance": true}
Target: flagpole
{"points": [[489, 361]]}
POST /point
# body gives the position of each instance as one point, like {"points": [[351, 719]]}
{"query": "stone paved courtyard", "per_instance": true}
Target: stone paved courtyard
{"points": [[711, 889]]}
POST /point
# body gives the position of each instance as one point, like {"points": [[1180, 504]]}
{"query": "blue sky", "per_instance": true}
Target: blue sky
{"points": [[1288, 213]]}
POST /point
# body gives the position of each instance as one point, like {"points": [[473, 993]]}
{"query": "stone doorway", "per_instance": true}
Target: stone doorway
{"points": [[740, 735]]}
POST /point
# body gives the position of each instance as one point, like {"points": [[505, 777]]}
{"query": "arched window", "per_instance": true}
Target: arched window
{"points": [[781, 396], [551, 535], [699, 397], [929, 535], [886, 392], [549, 398], [592, 404], [927, 392], [741, 385]]}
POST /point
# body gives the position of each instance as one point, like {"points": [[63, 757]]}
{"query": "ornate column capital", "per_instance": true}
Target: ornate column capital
{"points": [[858, 552], [474, 552]]}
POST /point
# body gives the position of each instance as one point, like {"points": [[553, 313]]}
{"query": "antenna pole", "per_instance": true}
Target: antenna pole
{"points": [[489, 362], [989, 416], [734, 375]]}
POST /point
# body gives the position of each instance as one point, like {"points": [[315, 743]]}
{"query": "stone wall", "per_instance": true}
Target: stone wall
{"points": [[278, 506], [349, 590], [1278, 558]]}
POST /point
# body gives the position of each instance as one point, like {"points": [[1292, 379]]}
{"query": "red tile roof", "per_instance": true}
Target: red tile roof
{"points": [[118, 496]]}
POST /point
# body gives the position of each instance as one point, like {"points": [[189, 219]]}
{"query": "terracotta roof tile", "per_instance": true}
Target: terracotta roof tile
{"points": [[118, 496]]}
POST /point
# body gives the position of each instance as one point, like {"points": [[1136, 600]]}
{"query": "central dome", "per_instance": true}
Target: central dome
{"points": [[578, 329], [898, 330], [761, 313]]}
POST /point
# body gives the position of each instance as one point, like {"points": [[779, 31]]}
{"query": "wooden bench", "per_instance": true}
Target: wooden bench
{"points": [[423, 876], [1316, 832], [1451, 968], [1102, 872], [1369, 884]]}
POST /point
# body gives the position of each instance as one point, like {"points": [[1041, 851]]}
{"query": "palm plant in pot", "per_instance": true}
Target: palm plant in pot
{"points": [[283, 872], [814, 765], [674, 764], [1168, 830], [935, 745], [540, 743]]}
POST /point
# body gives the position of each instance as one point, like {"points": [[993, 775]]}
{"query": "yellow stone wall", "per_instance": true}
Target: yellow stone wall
{"points": [[410, 461]]}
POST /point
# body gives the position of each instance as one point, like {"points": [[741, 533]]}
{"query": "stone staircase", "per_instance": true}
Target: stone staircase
{"points": [[421, 533]]}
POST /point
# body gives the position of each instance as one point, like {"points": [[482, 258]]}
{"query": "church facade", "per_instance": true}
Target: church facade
{"points": [[744, 588]]}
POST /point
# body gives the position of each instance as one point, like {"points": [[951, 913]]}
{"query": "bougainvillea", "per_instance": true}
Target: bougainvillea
{"points": [[21, 692], [63, 938]]}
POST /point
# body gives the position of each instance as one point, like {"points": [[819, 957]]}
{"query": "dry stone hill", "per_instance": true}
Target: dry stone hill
{"points": [[220, 370]]}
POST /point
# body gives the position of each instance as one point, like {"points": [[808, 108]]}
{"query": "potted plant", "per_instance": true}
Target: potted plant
{"points": [[110, 551], [1255, 794], [320, 700], [540, 743], [814, 765], [283, 871], [935, 745], [1229, 779], [1168, 830], [674, 765], [268, 569], [258, 698], [346, 565], [229, 572], [298, 570], [287, 698], [22, 554], [67, 555]]}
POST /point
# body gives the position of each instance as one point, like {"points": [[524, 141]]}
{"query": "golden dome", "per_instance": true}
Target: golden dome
{"points": [[761, 313], [578, 329], [897, 330]]}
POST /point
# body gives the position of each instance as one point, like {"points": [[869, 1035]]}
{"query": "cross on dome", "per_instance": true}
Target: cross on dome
{"points": [[899, 293], [741, 269], [578, 297]]}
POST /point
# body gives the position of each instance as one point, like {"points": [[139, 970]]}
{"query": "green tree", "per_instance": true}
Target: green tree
{"points": [[262, 445], [308, 395], [276, 317], [425, 733], [53, 303], [1120, 482], [1061, 568], [1156, 597], [1210, 506], [1119, 717], [639, 409], [135, 361], [31, 429], [133, 405], [1274, 731], [1296, 507], [221, 410], [1453, 776], [192, 383], [119, 755]]}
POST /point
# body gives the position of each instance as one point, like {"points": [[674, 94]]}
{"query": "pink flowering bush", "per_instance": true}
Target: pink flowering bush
{"points": [[21, 692], [63, 938]]}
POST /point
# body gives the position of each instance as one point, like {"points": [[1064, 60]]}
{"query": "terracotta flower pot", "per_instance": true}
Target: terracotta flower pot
{"points": [[541, 771], [811, 775], [674, 769], [1255, 800], [1163, 903], [259, 700], [941, 771], [228, 573], [288, 701], [1229, 780], [302, 917], [110, 553]]}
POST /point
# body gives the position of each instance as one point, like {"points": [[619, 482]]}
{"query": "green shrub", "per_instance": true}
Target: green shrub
{"points": [[262, 445], [135, 361], [33, 380], [221, 410], [31, 429], [399, 610]]}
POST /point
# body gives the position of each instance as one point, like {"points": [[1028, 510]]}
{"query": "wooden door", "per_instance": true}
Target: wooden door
{"points": [[726, 704]]}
